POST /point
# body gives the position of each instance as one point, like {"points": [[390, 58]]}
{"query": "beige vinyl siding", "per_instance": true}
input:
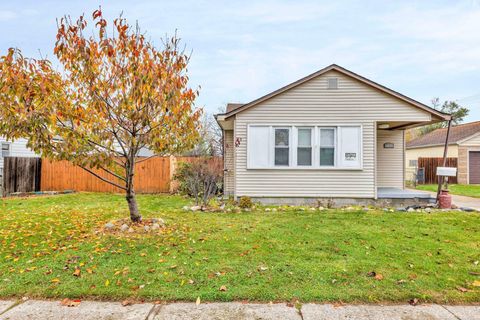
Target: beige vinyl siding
{"points": [[473, 141], [311, 103], [426, 152], [228, 174], [390, 161], [472, 144]]}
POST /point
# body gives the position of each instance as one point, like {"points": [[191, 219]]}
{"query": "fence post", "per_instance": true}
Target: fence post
{"points": [[172, 169]]}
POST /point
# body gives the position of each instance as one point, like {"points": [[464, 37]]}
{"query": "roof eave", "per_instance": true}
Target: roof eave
{"points": [[430, 145]]}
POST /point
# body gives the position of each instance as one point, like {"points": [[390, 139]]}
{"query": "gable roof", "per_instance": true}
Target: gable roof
{"points": [[437, 137], [236, 108], [233, 106]]}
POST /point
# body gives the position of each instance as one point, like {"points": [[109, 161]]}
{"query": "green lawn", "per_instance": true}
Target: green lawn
{"points": [[469, 190], [258, 256]]}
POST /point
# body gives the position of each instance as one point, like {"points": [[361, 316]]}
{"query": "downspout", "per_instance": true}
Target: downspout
{"points": [[445, 152]]}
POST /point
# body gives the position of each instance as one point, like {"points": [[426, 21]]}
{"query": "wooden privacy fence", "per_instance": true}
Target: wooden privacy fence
{"points": [[21, 174], [153, 175], [430, 168]]}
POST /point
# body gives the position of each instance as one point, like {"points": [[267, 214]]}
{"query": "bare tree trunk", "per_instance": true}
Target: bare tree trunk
{"points": [[132, 201], [133, 207]]}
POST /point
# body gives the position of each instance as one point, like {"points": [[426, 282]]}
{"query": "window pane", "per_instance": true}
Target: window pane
{"points": [[304, 137], [5, 149], [281, 156], [327, 156], [304, 156], [327, 137], [281, 137]]}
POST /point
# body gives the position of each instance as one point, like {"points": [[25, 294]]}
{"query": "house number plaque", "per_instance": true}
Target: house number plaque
{"points": [[350, 156]]}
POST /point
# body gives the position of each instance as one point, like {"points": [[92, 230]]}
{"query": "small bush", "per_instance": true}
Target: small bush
{"points": [[200, 179], [245, 203]]}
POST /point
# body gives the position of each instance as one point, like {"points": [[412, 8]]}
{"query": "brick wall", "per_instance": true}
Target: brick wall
{"points": [[462, 165]]}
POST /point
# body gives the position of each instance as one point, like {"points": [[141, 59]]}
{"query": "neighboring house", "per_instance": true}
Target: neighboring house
{"points": [[332, 134], [463, 143], [17, 148]]}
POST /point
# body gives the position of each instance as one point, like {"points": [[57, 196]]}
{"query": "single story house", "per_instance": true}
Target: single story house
{"points": [[463, 144], [332, 134]]}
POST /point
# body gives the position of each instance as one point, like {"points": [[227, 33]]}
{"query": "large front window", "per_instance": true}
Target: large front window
{"points": [[308, 146]]}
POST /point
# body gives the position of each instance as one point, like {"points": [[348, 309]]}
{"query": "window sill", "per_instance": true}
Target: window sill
{"points": [[309, 169]]}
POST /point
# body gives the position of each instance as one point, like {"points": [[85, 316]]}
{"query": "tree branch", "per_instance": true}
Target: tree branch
{"points": [[104, 179], [114, 174], [146, 158]]}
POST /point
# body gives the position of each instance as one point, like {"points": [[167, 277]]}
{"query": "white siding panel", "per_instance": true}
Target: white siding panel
{"points": [[313, 104], [473, 141], [390, 163]]}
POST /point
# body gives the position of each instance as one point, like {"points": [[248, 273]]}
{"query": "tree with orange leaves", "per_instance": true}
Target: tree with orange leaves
{"points": [[115, 94]]}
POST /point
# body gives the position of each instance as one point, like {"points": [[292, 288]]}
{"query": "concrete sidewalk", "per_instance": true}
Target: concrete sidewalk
{"points": [[89, 310]]}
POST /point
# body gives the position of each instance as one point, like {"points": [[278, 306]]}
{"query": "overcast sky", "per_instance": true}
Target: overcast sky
{"points": [[243, 49]]}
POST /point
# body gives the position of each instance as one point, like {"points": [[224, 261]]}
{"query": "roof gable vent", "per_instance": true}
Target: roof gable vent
{"points": [[332, 83]]}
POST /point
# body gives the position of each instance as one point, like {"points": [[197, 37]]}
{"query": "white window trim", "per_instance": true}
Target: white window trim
{"points": [[335, 146], [315, 148], [272, 149], [312, 146]]}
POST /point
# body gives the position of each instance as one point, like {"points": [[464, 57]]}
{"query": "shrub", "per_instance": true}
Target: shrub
{"points": [[245, 203], [200, 179]]}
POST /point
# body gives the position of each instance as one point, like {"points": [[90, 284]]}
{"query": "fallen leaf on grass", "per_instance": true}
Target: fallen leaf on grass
{"points": [[77, 272], [70, 303], [223, 288], [462, 289], [198, 301], [55, 280], [476, 283], [371, 274], [413, 301], [378, 277], [107, 283]]}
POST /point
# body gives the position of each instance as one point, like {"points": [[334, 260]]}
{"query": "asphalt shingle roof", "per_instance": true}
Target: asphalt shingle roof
{"points": [[437, 137]]}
